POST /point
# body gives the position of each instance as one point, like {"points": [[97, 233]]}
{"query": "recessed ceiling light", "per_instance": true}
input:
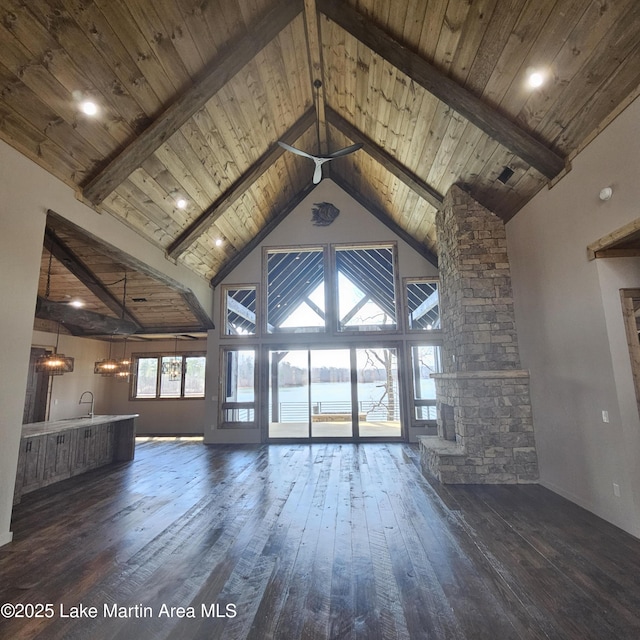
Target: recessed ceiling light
{"points": [[181, 203], [218, 242], [89, 107], [77, 303], [535, 79]]}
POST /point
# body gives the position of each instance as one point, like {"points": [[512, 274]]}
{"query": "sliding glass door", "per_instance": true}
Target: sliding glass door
{"points": [[331, 407], [334, 394]]}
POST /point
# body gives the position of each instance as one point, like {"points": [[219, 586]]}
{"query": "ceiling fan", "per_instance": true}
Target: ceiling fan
{"points": [[319, 160]]}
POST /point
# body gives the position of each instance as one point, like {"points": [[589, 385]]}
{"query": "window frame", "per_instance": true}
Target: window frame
{"points": [[222, 405], [398, 301], [223, 319], [405, 298], [136, 357], [430, 424], [324, 250]]}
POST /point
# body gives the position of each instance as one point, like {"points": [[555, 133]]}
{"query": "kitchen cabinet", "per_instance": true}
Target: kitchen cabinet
{"points": [[53, 451]]}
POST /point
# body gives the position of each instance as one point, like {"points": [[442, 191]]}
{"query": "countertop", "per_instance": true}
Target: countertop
{"points": [[54, 426]]}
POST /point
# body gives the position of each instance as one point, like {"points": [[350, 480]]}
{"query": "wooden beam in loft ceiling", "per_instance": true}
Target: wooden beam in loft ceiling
{"points": [[214, 77], [217, 209], [424, 190], [82, 322], [56, 220], [76, 266], [231, 264], [378, 213], [314, 49], [486, 118]]}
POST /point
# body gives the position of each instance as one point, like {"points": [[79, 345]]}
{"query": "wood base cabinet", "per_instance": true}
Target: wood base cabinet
{"points": [[53, 451]]}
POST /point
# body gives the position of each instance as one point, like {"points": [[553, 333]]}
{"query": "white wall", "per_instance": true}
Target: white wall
{"points": [[21, 235], [171, 417], [354, 224], [570, 326]]}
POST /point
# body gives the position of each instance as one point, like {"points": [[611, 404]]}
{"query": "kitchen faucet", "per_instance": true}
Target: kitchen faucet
{"points": [[87, 401]]}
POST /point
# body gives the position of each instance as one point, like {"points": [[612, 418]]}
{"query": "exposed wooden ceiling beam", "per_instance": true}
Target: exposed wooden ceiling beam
{"points": [[76, 266], [214, 77], [217, 209], [192, 302], [485, 117], [314, 47], [82, 321], [386, 220], [231, 264], [424, 190]]}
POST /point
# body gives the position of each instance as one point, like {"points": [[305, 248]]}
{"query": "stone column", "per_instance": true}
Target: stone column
{"points": [[482, 384]]}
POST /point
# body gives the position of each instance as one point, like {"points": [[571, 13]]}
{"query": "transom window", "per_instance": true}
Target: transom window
{"points": [[172, 375]]}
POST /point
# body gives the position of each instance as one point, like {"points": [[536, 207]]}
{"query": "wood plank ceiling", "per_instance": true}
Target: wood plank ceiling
{"points": [[193, 96]]}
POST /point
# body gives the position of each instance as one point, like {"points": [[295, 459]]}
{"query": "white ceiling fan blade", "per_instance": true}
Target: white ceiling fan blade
{"points": [[317, 173], [288, 147], [346, 150]]}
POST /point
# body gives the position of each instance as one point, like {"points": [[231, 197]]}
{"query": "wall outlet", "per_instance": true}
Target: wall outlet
{"points": [[605, 416], [616, 489]]}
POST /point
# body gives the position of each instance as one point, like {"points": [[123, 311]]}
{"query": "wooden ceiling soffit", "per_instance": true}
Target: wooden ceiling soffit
{"points": [[74, 265], [394, 167], [82, 321], [214, 77], [231, 264], [486, 118], [55, 219], [378, 213], [217, 209]]}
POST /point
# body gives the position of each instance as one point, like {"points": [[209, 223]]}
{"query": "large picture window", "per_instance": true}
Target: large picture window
{"points": [[366, 288], [175, 375], [295, 290]]}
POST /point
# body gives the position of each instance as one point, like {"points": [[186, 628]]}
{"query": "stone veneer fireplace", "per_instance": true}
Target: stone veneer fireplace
{"points": [[485, 426]]}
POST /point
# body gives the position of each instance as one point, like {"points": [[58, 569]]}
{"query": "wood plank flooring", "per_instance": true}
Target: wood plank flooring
{"points": [[310, 541]]}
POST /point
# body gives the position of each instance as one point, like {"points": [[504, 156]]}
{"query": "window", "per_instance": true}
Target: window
{"points": [[425, 360], [239, 399], [295, 290], [240, 310], [168, 376], [423, 304], [366, 288]]}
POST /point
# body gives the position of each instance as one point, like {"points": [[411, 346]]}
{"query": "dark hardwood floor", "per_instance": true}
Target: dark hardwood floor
{"points": [[321, 541]]}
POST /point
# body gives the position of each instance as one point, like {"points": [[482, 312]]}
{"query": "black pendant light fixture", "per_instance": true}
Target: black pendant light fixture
{"points": [[172, 367], [55, 364]]}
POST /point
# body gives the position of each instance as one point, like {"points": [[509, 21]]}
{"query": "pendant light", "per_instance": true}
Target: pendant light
{"points": [[107, 367], [172, 367], [55, 364], [124, 365], [112, 367]]}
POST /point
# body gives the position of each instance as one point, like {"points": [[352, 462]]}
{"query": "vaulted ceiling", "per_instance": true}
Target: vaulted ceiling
{"points": [[194, 95]]}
